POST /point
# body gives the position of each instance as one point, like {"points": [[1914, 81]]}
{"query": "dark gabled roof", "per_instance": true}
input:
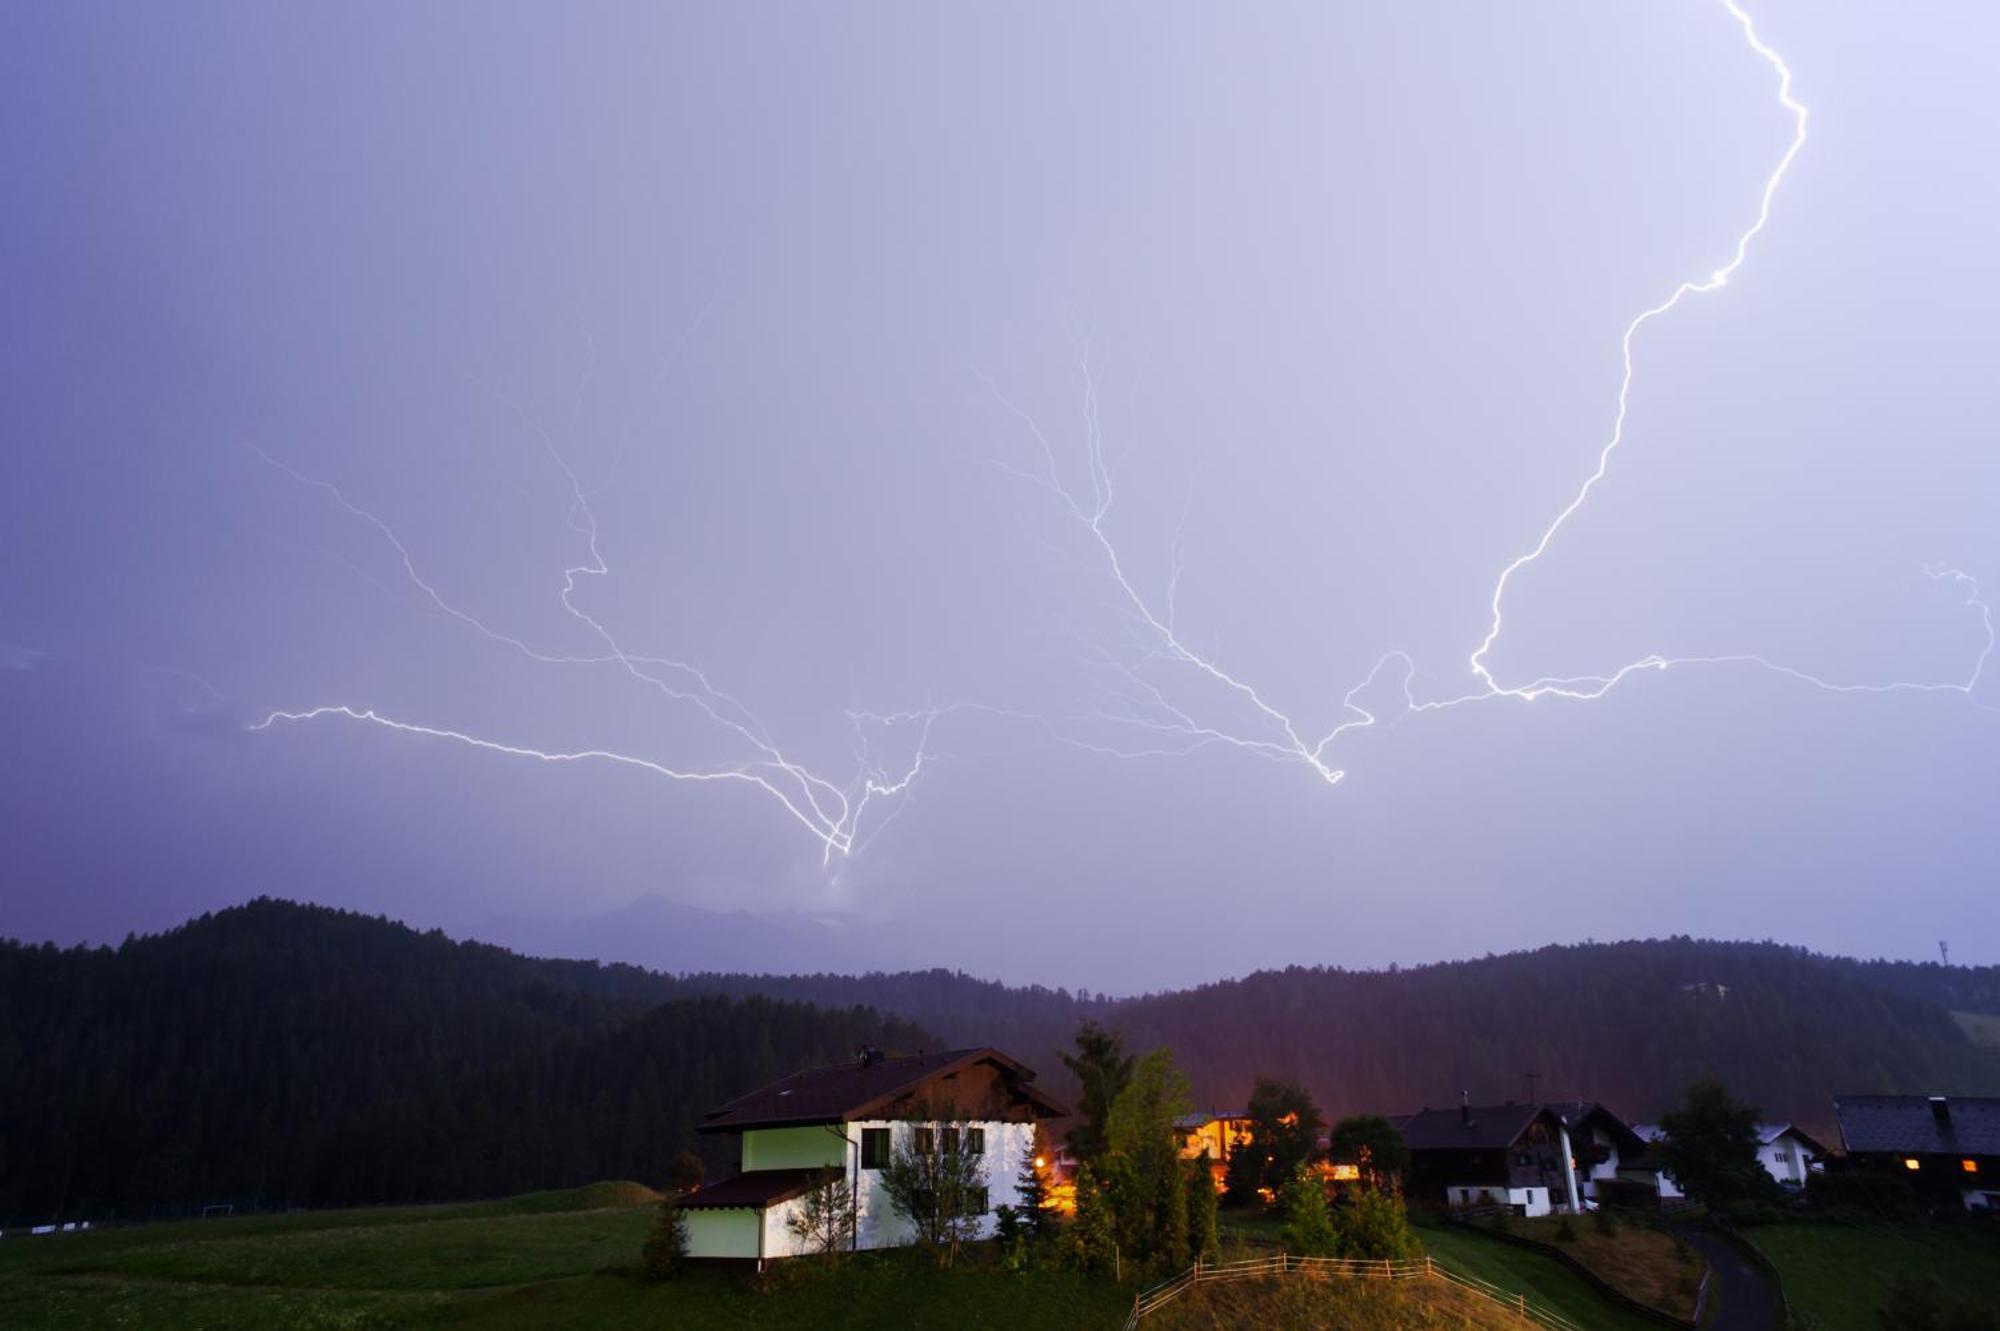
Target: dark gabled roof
{"points": [[757, 1189], [1770, 1132], [1589, 1113], [846, 1091], [1201, 1118], [1913, 1124], [1490, 1126]]}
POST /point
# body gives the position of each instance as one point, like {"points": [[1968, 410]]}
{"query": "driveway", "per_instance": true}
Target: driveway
{"points": [[1742, 1296]]}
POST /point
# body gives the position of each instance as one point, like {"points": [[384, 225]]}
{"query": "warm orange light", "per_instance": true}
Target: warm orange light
{"points": [[1346, 1173], [1041, 1162], [1910, 1162], [1969, 1166]]}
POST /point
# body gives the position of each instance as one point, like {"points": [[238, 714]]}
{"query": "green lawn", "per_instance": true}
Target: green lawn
{"points": [[1546, 1282], [545, 1260], [568, 1260], [1841, 1274], [1542, 1279]]}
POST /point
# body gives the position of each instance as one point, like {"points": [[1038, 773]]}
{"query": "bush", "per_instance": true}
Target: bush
{"points": [[1309, 1230], [664, 1255], [1565, 1231], [1871, 1191], [1373, 1223], [1604, 1221]]}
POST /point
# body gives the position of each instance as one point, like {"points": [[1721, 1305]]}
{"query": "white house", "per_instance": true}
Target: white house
{"points": [[1600, 1142], [851, 1118], [1787, 1152]]}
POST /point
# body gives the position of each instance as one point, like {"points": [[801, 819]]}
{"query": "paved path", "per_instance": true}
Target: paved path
{"points": [[1743, 1296]]}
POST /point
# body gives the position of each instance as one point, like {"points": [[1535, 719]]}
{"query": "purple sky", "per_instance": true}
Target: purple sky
{"points": [[799, 300]]}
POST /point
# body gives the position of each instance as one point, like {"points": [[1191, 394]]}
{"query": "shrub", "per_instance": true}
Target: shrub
{"points": [[1309, 1230], [1373, 1223], [1565, 1231], [665, 1252]]}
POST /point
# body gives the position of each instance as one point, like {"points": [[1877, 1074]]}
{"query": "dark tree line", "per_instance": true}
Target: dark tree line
{"points": [[304, 1056], [1629, 1024], [297, 1056]]}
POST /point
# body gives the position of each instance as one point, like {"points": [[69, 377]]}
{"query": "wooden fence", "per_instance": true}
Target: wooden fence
{"points": [[1338, 1268]]}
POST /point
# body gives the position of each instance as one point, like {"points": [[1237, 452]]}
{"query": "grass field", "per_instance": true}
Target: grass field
{"points": [[1841, 1274], [1642, 1263], [1297, 1303], [568, 1259], [545, 1260], [1979, 1027], [1544, 1281]]}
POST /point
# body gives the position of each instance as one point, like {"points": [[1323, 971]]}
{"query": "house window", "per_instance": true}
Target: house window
{"points": [[975, 1141], [1910, 1162], [874, 1148], [951, 1141], [923, 1140], [1969, 1166]]}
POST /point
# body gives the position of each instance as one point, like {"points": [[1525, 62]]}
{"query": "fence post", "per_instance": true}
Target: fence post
{"points": [[1430, 1268]]}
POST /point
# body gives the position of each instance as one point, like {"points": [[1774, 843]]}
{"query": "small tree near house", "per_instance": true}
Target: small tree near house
{"points": [[665, 1252], [937, 1185], [1032, 1191], [1309, 1230], [685, 1173], [1284, 1125], [823, 1221], [1711, 1148]]}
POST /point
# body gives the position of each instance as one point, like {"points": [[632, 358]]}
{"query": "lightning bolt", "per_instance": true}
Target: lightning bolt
{"points": [[830, 812], [1171, 724]]}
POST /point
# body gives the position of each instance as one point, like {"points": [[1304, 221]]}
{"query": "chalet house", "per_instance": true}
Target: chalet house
{"points": [[1788, 1153], [1948, 1146], [850, 1119], [1601, 1144], [1215, 1133], [1491, 1155]]}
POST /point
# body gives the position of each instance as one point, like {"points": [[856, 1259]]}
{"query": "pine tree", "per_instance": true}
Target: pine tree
{"points": [[1032, 1192], [1093, 1242], [1202, 1241]]}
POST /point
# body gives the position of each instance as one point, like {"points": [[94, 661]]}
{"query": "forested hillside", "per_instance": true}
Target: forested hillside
{"points": [[1630, 1024], [304, 1056], [300, 1056]]}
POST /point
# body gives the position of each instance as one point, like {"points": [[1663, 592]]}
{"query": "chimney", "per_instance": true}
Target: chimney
{"points": [[1465, 1108], [1941, 1111]]}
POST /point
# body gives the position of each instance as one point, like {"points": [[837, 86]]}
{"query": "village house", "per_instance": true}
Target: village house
{"points": [[1947, 1146], [1787, 1151], [1215, 1133], [848, 1121], [1514, 1155], [1601, 1144]]}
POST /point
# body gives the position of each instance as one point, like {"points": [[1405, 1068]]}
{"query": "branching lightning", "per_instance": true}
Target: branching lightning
{"points": [[831, 813], [1162, 698], [1143, 706]]}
